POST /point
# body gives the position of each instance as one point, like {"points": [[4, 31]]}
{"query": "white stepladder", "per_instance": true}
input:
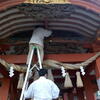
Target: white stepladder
{"points": [[25, 85]]}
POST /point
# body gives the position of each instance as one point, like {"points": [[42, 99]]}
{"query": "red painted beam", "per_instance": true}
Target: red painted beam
{"points": [[21, 59], [97, 69], [4, 71], [9, 3], [96, 47]]}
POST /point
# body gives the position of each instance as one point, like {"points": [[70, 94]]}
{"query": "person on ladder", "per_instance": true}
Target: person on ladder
{"points": [[36, 42]]}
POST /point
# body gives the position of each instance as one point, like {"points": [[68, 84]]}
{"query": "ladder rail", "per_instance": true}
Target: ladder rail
{"points": [[28, 70], [39, 59], [26, 76]]}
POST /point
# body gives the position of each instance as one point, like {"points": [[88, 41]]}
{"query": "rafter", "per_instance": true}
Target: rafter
{"points": [[98, 35]]}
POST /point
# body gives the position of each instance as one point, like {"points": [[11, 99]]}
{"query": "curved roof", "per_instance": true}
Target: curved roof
{"points": [[60, 17], [67, 17], [89, 4]]}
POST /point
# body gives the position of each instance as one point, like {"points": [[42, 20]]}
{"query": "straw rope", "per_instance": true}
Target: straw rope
{"points": [[52, 64], [16, 67], [57, 64]]}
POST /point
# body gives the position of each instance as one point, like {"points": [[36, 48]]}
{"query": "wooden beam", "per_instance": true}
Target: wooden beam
{"points": [[61, 40], [21, 59], [4, 89], [80, 93], [6, 44], [4, 71], [98, 34], [97, 69], [88, 88], [13, 88], [96, 47]]}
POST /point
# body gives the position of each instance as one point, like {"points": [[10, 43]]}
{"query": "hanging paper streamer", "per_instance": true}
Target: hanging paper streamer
{"points": [[82, 70], [68, 82], [11, 72], [79, 82], [50, 75], [21, 81], [63, 71]]}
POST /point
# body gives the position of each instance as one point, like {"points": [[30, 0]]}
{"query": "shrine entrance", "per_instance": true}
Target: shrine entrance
{"points": [[74, 46]]}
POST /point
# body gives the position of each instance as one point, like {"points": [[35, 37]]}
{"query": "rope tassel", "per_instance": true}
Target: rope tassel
{"points": [[68, 82], [79, 82], [50, 75], [21, 81]]}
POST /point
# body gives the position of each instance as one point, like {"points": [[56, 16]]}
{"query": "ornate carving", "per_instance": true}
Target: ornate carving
{"points": [[47, 11]]}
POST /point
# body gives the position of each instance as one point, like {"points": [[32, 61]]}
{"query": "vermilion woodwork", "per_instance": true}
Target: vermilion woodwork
{"points": [[4, 90], [5, 45], [13, 88], [89, 90], [90, 68], [96, 47], [70, 96], [9, 3], [21, 59], [3, 71], [65, 97], [80, 93], [97, 68]]}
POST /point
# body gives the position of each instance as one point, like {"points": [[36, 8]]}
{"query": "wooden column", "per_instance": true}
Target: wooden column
{"points": [[70, 96], [80, 93], [4, 89], [97, 69], [13, 91], [89, 91], [65, 96]]}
